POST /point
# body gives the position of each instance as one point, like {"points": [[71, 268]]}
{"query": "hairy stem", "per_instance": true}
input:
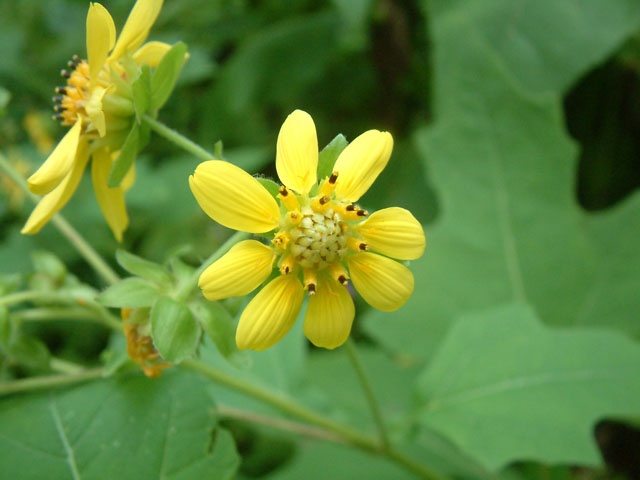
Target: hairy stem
{"points": [[49, 381], [177, 138]]}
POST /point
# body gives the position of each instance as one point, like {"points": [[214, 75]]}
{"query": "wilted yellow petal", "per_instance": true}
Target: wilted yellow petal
{"points": [[384, 283], [271, 313], [101, 35], [59, 196], [234, 198], [330, 313], [57, 166], [240, 271], [136, 29], [361, 162], [111, 200], [297, 152], [394, 232], [94, 110], [129, 178], [151, 53]]}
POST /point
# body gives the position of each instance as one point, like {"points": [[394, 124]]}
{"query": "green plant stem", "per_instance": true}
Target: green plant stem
{"points": [[185, 290], [92, 257], [368, 392], [177, 138], [64, 366], [37, 383]]}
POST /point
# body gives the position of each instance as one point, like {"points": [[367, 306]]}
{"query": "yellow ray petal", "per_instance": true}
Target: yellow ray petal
{"points": [[234, 198], [384, 283], [238, 272], [129, 178], [271, 314], [297, 152], [59, 196], [151, 53], [94, 110], [136, 29], [361, 162], [111, 200], [101, 35], [330, 313], [394, 232], [57, 166]]}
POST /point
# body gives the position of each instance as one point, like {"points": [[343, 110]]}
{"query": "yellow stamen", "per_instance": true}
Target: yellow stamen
{"points": [[329, 184], [319, 204], [287, 264], [357, 245], [339, 273], [281, 240], [294, 217], [310, 280], [288, 198]]}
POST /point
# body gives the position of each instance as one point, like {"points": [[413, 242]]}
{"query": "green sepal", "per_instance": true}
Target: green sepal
{"points": [[144, 268], [166, 74], [130, 293], [141, 88], [329, 154], [218, 324], [127, 155], [218, 150], [174, 331], [272, 187]]}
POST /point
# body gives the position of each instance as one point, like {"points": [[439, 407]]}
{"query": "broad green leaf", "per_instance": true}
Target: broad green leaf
{"points": [[130, 293], [504, 387], [329, 154], [143, 268], [142, 92], [129, 428], [174, 331], [165, 76], [272, 187], [127, 155]]}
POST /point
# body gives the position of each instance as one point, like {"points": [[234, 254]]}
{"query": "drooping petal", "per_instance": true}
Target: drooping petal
{"points": [[297, 152], [59, 196], [361, 162], [330, 313], [384, 283], [57, 166], [234, 198], [394, 232], [129, 178], [240, 271], [101, 36], [95, 112], [136, 29], [271, 313], [151, 53], [111, 200]]}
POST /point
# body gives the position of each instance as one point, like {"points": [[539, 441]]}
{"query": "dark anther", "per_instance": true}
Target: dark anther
{"points": [[75, 59], [286, 269], [362, 213], [324, 200], [72, 65], [65, 74], [61, 90], [312, 289], [351, 208], [283, 191], [363, 246], [58, 108], [57, 116], [333, 178], [56, 98], [343, 280]]}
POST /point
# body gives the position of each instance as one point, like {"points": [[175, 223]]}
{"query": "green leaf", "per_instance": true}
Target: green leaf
{"points": [[47, 263], [174, 331], [142, 92], [129, 428], [29, 352], [130, 293], [218, 325], [166, 75], [144, 268], [504, 387], [329, 154], [272, 187], [127, 155], [5, 98]]}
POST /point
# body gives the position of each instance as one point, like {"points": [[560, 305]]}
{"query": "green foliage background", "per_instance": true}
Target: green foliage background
{"points": [[516, 144]]}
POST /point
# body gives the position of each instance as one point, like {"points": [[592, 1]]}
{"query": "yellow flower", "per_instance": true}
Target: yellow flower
{"points": [[321, 238], [97, 103]]}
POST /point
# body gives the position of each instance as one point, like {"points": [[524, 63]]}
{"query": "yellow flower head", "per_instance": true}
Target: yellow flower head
{"points": [[97, 103], [321, 238]]}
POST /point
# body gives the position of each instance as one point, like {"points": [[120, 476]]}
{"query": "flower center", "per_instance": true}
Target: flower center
{"points": [[319, 239], [70, 100]]}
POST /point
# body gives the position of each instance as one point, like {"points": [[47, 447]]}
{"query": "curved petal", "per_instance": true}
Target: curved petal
{"points": [[361, 162], [384, 283], [101, 35], [111, 200], [57, 166], [136, 29], [394, 232], [59, 196], [297, 152], [234, 198], [330, 313], [151, 53], [240, 271], [95, 112], [271, 313], [129, 178]]}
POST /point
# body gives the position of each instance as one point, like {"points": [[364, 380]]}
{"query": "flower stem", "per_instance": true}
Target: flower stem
{"points": [[177, 138], [187, 288], [71, 234], [37, 383], [368, 392]]}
